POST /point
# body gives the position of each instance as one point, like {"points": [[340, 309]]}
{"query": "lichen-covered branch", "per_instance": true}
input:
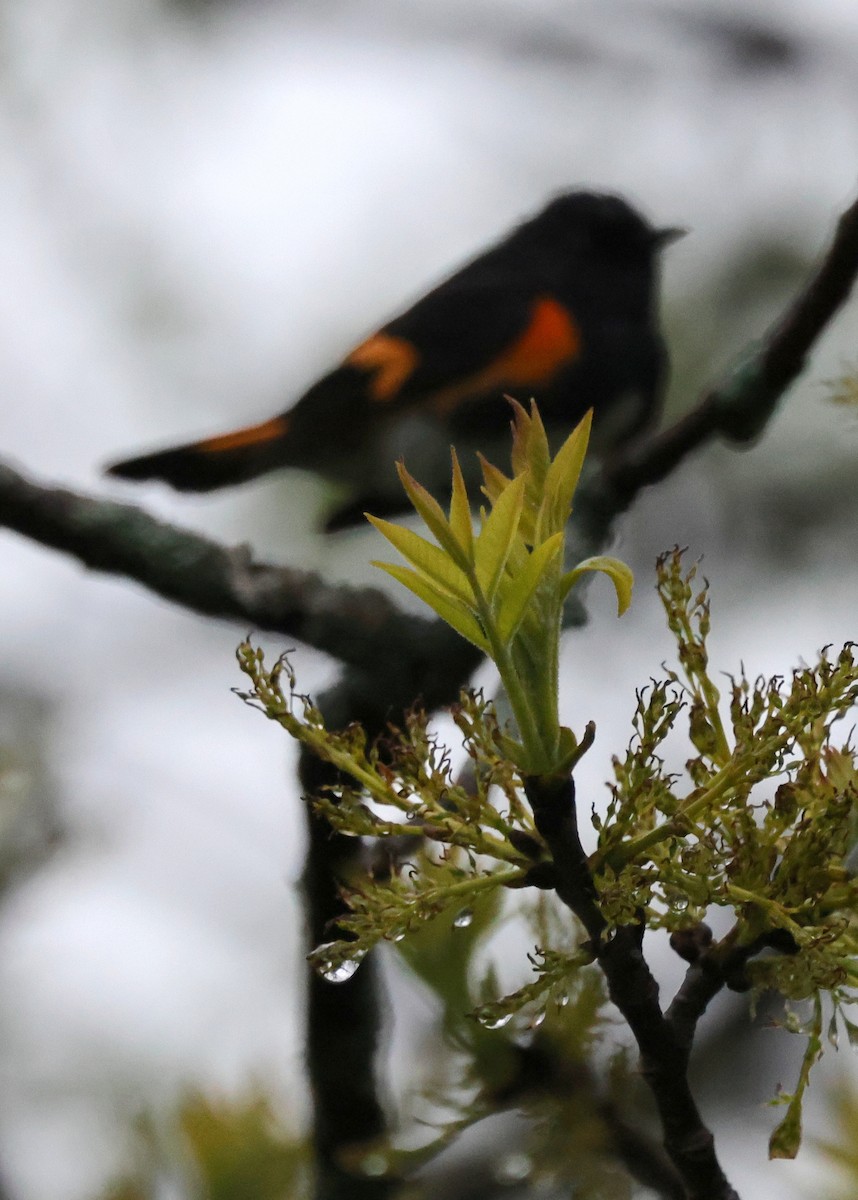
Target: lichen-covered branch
{"points": [[360, 626]]}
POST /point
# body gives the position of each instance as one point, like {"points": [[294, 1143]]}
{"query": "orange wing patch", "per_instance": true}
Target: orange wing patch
{"points": [[251, 435], [551, 341], [390, 360]]}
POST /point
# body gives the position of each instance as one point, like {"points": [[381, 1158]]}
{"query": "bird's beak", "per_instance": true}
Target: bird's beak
{"points": [[663, 237]]}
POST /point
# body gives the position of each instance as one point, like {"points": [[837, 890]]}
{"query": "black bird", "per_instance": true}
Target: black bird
{"points": [[563, 310]]}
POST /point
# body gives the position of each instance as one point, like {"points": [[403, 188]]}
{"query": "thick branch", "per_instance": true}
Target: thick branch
{"points": [[360, 626], [344, 1019], [714, 966], [391, 659], [633, 989]]}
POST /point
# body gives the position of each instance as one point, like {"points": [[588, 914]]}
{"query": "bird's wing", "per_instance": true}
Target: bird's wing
{"points": [[464, 340]]}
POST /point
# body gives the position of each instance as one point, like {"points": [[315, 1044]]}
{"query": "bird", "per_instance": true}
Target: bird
{"points": [[562, 310]]}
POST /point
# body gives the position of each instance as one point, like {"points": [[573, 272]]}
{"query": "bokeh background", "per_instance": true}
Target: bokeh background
{"points": [[202, 206]]}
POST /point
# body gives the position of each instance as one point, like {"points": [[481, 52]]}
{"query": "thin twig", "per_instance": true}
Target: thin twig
{"points": [[740, 405]]}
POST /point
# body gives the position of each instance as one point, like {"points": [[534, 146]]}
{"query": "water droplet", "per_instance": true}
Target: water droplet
{"points": [[833, 1032], [397, 935], [680, 904], [337, 971], [538, 1019], [513, 1168], [374, 1165], [562, 1000], [463, 918], [342, 971], [489, 1022]]}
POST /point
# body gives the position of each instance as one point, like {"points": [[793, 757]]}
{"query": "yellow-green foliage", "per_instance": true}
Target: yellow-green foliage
{"points": [[503, 586], [761, 821], [763, 818]]}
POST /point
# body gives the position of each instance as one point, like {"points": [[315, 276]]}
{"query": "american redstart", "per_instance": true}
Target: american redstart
{"points": [[562, 310]]}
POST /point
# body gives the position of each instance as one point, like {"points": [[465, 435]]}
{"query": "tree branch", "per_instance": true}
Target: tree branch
{"points": [[714, 966], [633, 989], [739, 406], [393, 658], [359, 626], [543, 1069], [344, 1019], [362, 627]]}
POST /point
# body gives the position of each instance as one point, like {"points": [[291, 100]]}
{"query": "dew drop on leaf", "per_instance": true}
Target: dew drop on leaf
{"points": [[342, 971], [337, 970], [489, 1022], [463, 918], [833, 1032]]}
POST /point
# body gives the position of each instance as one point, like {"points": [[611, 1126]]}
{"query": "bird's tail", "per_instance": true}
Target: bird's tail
{"points": [[216, 462]]}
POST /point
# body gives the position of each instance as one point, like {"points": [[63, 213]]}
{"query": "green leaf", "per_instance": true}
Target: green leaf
{"points": [[497, 535], [494, 480], [786, 1139], [520, 437], [430, 561], [433, 515], [565, 471], [456, 615], [570, 751], [618, 573], [538, 452], [513, 749], [519, 590], [460, 510]]}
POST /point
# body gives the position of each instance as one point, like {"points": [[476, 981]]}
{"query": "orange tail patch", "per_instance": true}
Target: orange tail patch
{"points": [[252, 435]]}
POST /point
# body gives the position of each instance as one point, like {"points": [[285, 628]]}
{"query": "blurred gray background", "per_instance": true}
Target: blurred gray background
{"points": [[203, 206]]}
